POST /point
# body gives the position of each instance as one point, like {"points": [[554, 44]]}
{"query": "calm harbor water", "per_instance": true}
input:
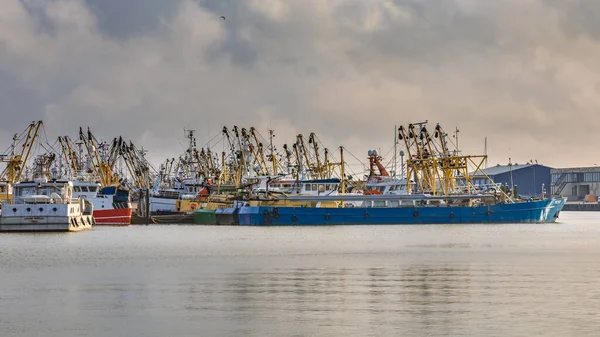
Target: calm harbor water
{"points": [[460, 280]]}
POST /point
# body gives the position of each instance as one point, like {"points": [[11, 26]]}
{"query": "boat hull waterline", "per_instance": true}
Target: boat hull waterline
{"points": [[539, 211], [113, 217], [44, 218]]}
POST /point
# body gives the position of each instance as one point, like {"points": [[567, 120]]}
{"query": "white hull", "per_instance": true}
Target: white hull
{"points": [[158, 204], [45, 217], [42, 213], [46, 224]]}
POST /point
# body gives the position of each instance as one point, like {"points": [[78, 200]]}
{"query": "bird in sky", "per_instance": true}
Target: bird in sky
{"points": [[222, 17]]}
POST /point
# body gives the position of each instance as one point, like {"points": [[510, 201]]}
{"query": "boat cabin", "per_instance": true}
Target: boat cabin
{"points": [[277, 184], [318, 187], [55, 192], [386, 185], [86, 189]]}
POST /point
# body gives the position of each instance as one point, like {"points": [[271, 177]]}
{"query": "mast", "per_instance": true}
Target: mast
{"points": [[299, 166], [272, 152], [304, 151], [485, 152], [288, 156], [456, 131], [342, 168], [326, 164], [319, 169], [395, 150]]}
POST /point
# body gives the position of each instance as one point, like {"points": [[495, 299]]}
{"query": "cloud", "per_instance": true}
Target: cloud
{"points": [[521, 73]]}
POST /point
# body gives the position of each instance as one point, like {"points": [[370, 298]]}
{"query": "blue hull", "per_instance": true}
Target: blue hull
{"points": [[539, 211]]}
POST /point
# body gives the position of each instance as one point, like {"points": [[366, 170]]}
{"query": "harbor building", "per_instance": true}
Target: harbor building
{"points": [[530, 179], [576, 183]]}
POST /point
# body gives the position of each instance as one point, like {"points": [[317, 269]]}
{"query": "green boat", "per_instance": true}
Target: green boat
{"points": [[205, 217]]}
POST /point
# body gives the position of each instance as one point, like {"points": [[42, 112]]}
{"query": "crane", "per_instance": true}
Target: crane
{"points": [[15, 162]]}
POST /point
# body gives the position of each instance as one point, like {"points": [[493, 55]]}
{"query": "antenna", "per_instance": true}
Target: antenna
{"points": [[395, 150], [485, 152], [456, 131], [512, 186], [190, 134]]}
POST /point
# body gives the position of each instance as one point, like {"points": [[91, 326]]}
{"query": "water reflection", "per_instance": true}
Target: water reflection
{"points": [[344, 298], [335, 281]]}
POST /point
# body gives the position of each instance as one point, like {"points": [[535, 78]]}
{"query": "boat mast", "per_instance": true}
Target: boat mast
{"points": [[343, 169], [272, 151], [485, 152], [395, 150]]}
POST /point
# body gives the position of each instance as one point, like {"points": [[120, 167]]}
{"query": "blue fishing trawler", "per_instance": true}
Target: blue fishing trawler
{"points": [[400, 209], [442, 193]]}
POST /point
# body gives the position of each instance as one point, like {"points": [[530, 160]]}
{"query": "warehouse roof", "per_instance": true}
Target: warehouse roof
{"points": [[499, 169]]}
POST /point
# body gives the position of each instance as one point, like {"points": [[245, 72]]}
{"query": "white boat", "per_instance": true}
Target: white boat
{"points": [[45, 206], [184, 183], [164, 200]]}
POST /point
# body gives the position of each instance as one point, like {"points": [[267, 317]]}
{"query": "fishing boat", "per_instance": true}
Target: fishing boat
{"points": [[179, 182], [283, 184], [206, 215], [45, 206], [219, 210], [166, 198], [400, 209], [442, 193], [112, 205]]}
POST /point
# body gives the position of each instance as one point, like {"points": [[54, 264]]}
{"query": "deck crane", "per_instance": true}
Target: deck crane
{"points": [[318, 168], [272, 157], [15, 162], [326, 163], [137, 165], [236, 155], [115, 152], [253, 150], [288, 158], [209, 164], [299, 166], [72, 159], [420, 158], [434, 168], [304, 153], [199, 159], [100, 166], [261, 154], [375, 161]]}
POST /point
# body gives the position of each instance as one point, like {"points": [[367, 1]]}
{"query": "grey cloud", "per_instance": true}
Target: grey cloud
{"points": [[349, 70], [123, 19], [580, 17]]}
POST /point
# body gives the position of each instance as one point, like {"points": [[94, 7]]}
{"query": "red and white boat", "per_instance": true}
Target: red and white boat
{"points": [[112, 205]]}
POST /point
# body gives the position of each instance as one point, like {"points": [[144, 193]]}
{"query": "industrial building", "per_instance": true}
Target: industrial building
{"points": [[576, 183], [530, 179]]}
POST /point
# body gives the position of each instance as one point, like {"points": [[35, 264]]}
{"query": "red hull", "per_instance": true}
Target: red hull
{"points": [[113, 217]]}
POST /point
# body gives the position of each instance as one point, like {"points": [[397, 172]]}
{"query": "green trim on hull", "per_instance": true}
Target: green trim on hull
{"points": [[205, 217]]}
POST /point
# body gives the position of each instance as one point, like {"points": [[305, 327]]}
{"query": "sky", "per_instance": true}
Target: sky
{"points": [[523, 74]]}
